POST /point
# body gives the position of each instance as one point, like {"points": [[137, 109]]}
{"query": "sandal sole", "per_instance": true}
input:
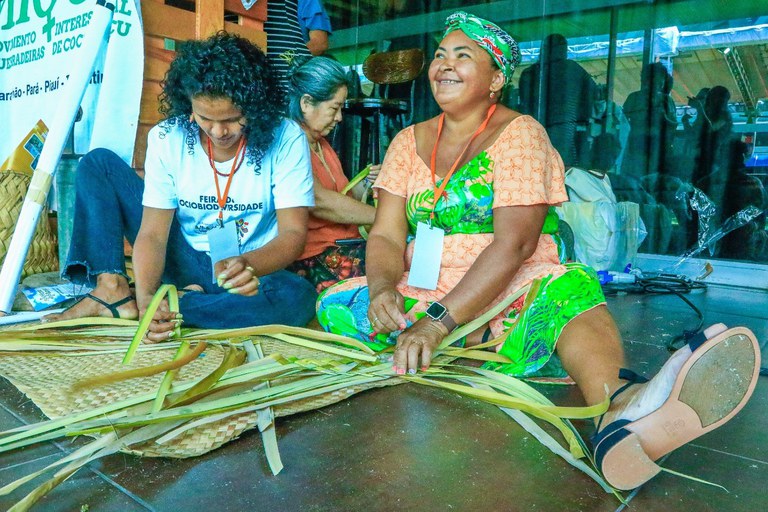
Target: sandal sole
{"points": [[711, 388]]}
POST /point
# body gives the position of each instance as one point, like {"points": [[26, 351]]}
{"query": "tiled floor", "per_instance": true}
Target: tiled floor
{"points": [[413, 448]]}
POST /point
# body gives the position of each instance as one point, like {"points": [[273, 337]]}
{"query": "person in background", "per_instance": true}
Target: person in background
{"points": [[334, 251], [697, 104], [222, 209], [567, 105], [475, 186], [715, 135], [295, 28], [653, 120], [733, 189], [693, 122], [315, 25]]}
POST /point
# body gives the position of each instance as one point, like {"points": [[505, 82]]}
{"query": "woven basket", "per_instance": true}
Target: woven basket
{"points": [[394, 67], [47, 380], [42, 256]]}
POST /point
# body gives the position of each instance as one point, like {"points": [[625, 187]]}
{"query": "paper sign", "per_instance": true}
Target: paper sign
{"points": [[223, 244], [427, 253]]}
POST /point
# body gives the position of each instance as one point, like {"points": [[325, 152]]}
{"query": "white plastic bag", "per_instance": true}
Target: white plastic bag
{"points": [[606, 233]]}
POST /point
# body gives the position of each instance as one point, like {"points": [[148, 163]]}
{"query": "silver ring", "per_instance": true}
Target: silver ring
{"points": [[375, 319]]}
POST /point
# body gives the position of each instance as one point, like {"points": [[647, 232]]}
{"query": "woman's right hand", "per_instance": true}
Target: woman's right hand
{"points": [[386, 311], [163, 324], [373, 173]]}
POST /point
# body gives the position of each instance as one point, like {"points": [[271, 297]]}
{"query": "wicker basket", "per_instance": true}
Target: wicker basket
{"points": [[47, 379], [42, 255], [394, 67]]}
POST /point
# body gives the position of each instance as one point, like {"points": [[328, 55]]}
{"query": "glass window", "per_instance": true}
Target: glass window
{"points": [[668, 98]]}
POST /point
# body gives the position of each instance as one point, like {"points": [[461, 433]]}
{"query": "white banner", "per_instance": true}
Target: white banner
{"points": [[39, 42]]}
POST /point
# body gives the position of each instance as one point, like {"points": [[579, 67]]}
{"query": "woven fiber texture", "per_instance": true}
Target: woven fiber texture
{"points": [[42, 256], [394, 67], [47, 380]]}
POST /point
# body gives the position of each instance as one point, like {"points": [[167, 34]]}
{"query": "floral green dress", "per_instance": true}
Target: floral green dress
{"points": [[520, 168]]}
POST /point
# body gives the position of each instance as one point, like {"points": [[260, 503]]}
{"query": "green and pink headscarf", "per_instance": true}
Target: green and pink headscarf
{"points": [[500, 45]]}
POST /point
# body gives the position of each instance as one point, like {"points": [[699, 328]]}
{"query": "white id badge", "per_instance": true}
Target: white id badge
{"points": [[427, 253], [223, 244]]}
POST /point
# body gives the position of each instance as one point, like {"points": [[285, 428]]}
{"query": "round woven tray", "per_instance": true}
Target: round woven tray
{"points": [[47, 380], [394, 67], [42, 255]]}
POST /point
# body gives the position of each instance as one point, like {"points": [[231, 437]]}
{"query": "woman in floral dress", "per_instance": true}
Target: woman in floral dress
{"points": [[475, 187]]}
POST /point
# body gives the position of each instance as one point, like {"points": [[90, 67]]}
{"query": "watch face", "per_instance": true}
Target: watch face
{"points": [[436, 311]]}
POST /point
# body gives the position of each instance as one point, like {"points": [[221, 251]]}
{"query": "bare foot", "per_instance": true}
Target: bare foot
{"points": [[112, 298], [642, 399]]}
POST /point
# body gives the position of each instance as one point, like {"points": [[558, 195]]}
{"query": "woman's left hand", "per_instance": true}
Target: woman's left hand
{"points": [[417, 344], [236, 276]]}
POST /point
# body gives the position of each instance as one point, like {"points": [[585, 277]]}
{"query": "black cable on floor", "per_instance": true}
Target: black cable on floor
{"points": [[677, 285], [669, 284], [665, 284]]}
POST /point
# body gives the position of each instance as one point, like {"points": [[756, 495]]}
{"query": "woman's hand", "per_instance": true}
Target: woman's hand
{"points": [[416, 346], [385, 311], [163, 323], [373, 173], [236, 276]]}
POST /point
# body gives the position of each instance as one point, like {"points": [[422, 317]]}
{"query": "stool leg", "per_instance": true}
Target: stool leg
{"points": [[376, 155]]}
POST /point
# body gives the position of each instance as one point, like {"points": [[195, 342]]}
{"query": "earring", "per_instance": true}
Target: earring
{"points": [[492, 95]]}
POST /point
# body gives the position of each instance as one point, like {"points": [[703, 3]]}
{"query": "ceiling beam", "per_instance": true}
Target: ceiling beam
{"points": [[531, 20], [500, 12]]}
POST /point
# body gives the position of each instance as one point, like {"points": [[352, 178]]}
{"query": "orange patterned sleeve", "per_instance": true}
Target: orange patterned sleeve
{"points": [[398, 163], [527, 169]]}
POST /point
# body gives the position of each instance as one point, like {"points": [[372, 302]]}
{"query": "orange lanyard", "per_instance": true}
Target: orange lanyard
{"points": [[236, 163], [320, 155], [432, 165]]}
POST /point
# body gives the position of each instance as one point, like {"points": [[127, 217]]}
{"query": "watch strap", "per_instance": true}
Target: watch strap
{"points": [[448, 322]]}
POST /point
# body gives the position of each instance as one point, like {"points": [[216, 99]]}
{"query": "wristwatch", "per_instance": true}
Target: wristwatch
{"points": [[439, 313]]}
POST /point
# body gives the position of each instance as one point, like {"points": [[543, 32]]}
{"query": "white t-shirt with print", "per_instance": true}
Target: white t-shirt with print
{"points": [[179, 177]]}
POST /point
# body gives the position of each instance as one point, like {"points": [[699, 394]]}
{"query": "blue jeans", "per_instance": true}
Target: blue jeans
{"points": [[108, 208]]}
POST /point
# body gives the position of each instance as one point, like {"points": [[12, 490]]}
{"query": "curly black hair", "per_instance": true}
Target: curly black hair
{"points": [[224, 66]]}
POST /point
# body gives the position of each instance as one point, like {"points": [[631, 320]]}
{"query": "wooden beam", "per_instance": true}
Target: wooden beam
{"points": [[209, 18], [166, 21], [257, 12], [156, 61], [254, 34]]}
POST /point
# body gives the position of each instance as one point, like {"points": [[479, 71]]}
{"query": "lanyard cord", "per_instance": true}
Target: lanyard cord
{"points": [[236, 163], [320, 155], [438, 191]]}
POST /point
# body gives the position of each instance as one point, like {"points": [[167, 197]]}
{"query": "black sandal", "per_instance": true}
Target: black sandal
{"points": [[112, 307]]}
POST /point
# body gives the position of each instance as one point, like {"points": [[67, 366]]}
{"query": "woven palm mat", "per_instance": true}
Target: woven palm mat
{"points": [[47, 379]]}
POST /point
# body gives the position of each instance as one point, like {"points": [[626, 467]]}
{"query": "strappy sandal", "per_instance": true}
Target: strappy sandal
{"points": [[712, 386], [112, 307]]}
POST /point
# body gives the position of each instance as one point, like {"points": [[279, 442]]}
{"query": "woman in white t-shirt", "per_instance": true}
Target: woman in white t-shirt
{"points": [[222, 209]]}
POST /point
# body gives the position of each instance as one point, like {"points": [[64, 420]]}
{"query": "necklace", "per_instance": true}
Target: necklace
{"points": [[240, 153]]}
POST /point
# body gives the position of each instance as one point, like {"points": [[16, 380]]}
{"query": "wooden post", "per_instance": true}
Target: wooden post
{"points": [[209, 18]]}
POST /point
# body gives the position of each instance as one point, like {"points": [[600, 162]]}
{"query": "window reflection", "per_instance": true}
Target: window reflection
{"points": [[681, 126]]}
